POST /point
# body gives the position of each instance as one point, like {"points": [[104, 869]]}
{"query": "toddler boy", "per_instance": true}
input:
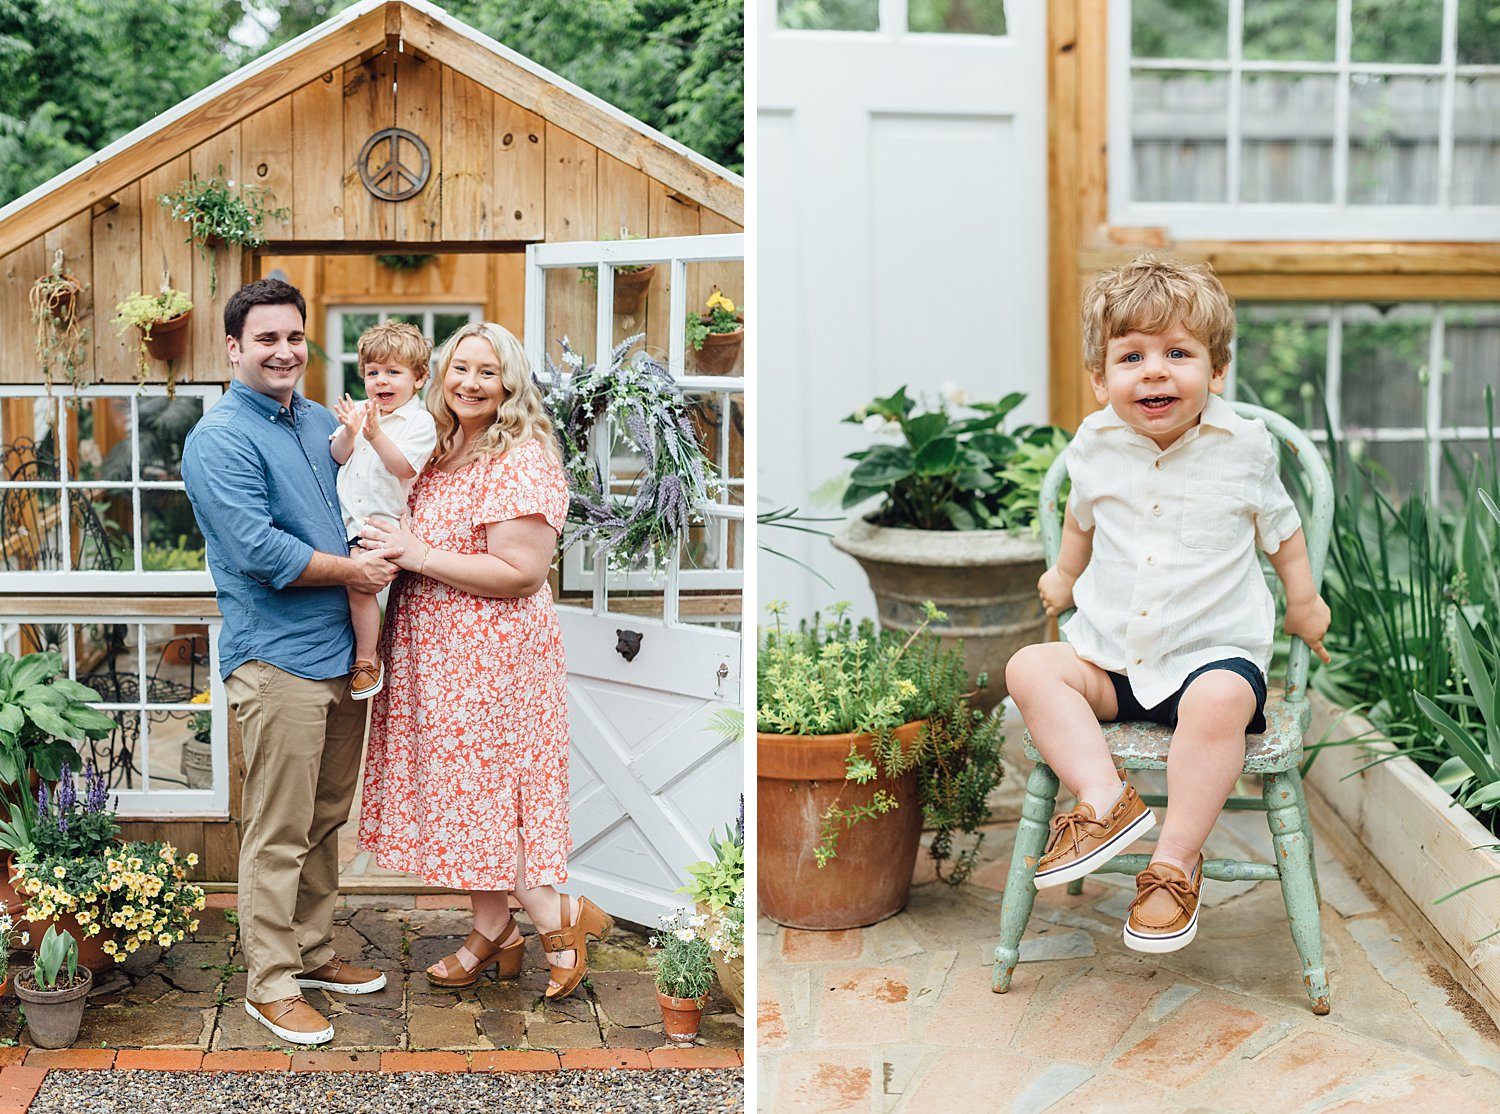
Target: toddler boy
{"points": [[381, 445], [1171, 492]]}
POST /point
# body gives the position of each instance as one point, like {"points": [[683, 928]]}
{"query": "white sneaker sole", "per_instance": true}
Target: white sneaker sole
{"points": [[1100, 855], [377, 983], [365, 694], [321, 1037], [1159, 945]]}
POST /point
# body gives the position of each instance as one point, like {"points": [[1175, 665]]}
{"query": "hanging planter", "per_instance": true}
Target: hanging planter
{"points": [[631, 284], [716, 336], [61, 342], [218, 212], [162, 321]]}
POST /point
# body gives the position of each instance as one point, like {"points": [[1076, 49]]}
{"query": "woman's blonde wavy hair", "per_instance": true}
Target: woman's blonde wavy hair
{"points": [[521, 416]]}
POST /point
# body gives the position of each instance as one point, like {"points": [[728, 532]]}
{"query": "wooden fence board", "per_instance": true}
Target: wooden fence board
{"points": [[419, 109], [518, 198], [117, 273], [318, 161], [572, 214], [369, 106], [18, 270], [266, 159], [468, 133], [223, 150]]}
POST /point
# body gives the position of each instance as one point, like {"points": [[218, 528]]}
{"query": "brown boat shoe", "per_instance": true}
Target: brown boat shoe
{"points": [[343, 977], [1081, 842], [1164, 915], [367, 679], [292, 1019]]}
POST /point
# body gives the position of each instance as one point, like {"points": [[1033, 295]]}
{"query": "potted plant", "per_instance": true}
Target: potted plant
{"points": [[60, 340], [162, 320], [716, 336], [54, 991], [114, 896], [197, 752], [684, 973], [631, 279], [218, 212], [718, 892], [42, 713], [956, 522], [10, 937], [861, 734]]}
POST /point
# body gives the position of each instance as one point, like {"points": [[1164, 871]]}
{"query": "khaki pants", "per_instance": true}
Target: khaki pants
{"points": [[302, 741]]}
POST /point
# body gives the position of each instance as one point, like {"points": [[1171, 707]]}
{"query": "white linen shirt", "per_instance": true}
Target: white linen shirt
{"points": [[365, 485], [1173, 582]]}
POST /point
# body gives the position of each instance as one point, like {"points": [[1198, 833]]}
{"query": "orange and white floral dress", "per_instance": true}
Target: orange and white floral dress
{"points": [[469, 737]]}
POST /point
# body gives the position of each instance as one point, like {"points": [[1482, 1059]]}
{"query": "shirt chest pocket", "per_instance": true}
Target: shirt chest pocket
{"points": [[1214, 514]]}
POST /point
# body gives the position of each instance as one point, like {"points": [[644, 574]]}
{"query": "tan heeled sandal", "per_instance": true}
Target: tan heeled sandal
{"points": [[590, 921], [505, 956]]}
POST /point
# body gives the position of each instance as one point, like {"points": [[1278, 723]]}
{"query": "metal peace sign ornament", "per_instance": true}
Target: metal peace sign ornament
{"points": [[386, 164]]}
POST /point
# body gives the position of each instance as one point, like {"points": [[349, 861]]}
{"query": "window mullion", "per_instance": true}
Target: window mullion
{"points": [[138, 545], [1233, 146], [1434, 421], [1334, 378], [1446, 121], [1343, 37]]}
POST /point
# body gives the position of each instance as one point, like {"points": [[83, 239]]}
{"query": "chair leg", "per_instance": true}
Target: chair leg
{"points": [[1284, 812], [1075, 887], [1020, 884], [1294, 777]]}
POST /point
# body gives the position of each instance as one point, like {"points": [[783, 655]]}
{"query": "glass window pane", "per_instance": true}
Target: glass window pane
{"points": [[1287, 125], [444, 325], [28, 441], [1393, 139], [1179, 122], [956, 17], [828, 15], [1471, 343], [1400, 466], [101, 533], [1461, 462], [1290, 30], [1281, 360], [99, 439], [354, 325], [1384, 357], [354, 383], [1476, 140], [172, 540], [30, 530], [164, 427], [1174, 29], [1478, 33], [1397, 31]]}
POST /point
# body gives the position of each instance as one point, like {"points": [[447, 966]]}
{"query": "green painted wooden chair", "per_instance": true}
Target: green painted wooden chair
{"points": [[1276, 755]]}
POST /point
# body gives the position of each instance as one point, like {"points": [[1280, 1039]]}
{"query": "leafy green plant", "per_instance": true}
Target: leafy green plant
{"points": [[590, 275], [61, 342], [182, 556], [683, 964], [216, 209], [716, 881], [398, 262], [41, 714], [950, 465], [57, 952], [720, 318], [841, 677], [145, 311]]}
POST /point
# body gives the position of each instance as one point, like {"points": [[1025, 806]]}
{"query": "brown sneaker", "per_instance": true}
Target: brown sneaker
{"points": [[1081, 844], [367, 679], [291, 1019], [342, 977], [1164, 915]]}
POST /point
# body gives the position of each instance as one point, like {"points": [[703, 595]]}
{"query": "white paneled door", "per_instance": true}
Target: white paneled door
{"points": [[902, 239]]}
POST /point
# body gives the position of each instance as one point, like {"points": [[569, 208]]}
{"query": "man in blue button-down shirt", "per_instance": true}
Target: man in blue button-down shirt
{"points": [[261, 480]]}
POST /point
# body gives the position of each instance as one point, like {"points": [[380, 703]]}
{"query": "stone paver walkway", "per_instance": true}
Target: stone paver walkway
{"points": [[899, 1017]]}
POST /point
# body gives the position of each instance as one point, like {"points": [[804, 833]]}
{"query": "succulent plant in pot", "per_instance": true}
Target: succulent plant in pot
{"points": [[54, 991], [162, 321], [56, 299]]}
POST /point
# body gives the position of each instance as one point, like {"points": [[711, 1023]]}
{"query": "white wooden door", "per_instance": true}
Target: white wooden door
{"points": [[902, 239], [649, 778]]}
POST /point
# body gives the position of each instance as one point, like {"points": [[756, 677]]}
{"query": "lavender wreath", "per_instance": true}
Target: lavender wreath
{"points": [[644, 405]]}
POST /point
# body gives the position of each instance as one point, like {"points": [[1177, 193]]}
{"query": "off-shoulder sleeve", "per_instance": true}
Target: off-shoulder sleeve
{"points": [[522, 482]]}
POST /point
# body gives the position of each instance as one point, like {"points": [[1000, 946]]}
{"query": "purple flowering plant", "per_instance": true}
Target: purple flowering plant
{"points": [[642, 527], [70, 824]]}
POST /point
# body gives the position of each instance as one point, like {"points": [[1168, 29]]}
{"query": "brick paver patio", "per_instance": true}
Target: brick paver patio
{"points": [[899, 1017]]}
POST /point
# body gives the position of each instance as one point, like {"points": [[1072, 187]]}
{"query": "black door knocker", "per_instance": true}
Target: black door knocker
{"points": [[629, 643]]}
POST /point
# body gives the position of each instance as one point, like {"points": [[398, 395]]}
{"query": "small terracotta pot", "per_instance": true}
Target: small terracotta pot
{"points": [[681, 1017], [169, 339], [60, 302], [630, 288], [14, 902], [720, 351], [53, 1016], [797, 778]]}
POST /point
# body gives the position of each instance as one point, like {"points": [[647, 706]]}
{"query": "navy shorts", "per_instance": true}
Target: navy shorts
{"points": [[1166, 712]]}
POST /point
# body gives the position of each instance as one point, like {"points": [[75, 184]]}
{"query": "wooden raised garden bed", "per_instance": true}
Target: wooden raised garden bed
{"points": [[1412, 844]]}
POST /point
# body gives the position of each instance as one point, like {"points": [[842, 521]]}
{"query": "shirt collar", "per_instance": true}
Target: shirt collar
{"points": [[265, 404], [405, 412]]}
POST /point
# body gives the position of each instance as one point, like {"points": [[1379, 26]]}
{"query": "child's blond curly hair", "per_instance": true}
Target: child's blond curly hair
{"points": [[396, 342], [1150, 294]]}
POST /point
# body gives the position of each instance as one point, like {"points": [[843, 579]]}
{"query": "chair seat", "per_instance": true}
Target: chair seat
{"points": [[1140, 745]]}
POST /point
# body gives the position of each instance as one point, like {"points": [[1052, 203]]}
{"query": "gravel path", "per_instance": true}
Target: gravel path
{"points": [[604, 1092]]}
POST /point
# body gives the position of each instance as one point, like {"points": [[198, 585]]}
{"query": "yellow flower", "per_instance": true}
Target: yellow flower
{"points": [[165, 940], [716, 300], [135, 862], [202, 698], [92, 930], [84, 917], [59, 872], [115, 866], [193, 925], [192, 859]]}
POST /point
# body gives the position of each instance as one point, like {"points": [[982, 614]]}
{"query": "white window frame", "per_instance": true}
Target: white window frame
{"points": [[1235, 220], [145, 802], [678, 252], [68, 580], [338, 355]]}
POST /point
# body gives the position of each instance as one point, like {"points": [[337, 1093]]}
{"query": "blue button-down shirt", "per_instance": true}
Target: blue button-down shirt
{"points": [[261, 480]]}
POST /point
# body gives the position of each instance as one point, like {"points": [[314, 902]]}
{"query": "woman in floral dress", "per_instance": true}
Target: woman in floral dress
{"points": [[466, 780]]}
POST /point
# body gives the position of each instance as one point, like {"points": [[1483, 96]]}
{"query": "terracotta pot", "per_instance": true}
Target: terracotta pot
{"points": [[798, 777], [169, 339], [14, 902], [720, 351], [60, 301], [53, 1016], [630, 288], [731, 972], [985, 580], [91, 952], [681, 1017]]}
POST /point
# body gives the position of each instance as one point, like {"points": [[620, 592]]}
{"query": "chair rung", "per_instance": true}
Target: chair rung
{"points": [[1220, 870], [1242, 804]]}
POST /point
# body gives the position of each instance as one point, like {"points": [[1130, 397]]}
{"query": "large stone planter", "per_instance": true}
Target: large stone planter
{"points": [[984, 579], [797, 778], [1412, 844]]}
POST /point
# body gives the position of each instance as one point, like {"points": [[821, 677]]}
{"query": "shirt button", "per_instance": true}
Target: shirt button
{"points": [[1156, 508], [1158, 464], [1143, 611], [1150, 560], [1138, 661]]}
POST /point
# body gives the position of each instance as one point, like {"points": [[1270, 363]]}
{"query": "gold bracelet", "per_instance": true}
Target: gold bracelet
{"points": [[423, 563]]}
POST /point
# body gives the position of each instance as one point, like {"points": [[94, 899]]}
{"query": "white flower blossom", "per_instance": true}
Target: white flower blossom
{"points": [[684, 934], [953, 394], [873, 423]]}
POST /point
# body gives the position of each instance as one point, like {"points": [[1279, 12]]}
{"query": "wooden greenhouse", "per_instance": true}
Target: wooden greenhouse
{"points": [[408, 163]]}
